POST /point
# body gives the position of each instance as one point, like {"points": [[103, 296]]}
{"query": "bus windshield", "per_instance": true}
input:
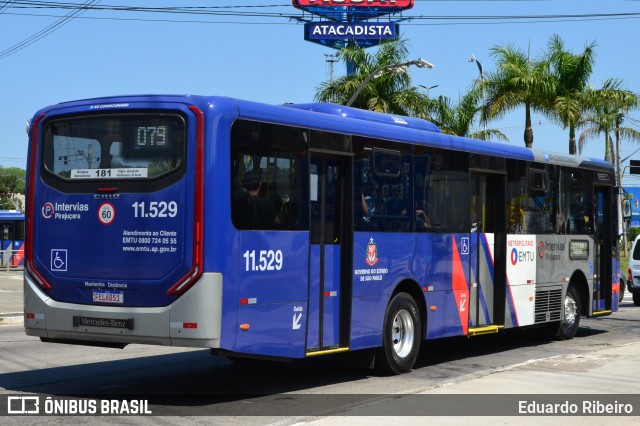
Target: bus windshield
{"points": [[137, 146]]}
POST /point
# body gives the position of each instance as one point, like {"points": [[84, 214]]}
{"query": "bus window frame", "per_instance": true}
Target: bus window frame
{"points": [[138, 185]]}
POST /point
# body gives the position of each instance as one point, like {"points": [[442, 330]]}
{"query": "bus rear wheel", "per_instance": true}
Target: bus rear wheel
{"points": [[568, 327], [401, 335]]}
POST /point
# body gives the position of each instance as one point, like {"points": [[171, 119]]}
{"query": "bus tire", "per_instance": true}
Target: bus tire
{"points": [[636, 299], [568, 327], [401, 335]]}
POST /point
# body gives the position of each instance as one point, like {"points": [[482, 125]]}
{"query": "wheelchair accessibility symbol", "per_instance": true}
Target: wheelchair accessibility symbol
{"points": [[465, 245], [58, 259]]}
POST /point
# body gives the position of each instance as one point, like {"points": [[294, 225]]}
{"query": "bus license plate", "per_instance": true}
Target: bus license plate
{"points": [[104, 296]]}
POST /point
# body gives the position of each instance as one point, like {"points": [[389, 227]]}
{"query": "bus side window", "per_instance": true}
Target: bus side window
{"points": [[365, 187], [439, 174], [266, 176], [516, 183], [392, 172], [576, 201], [541, 201]]}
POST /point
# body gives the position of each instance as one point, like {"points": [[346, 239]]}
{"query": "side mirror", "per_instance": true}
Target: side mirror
{"points": [[626, 209]]}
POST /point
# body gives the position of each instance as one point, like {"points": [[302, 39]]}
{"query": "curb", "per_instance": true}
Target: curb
{"points": [[12, 318]]}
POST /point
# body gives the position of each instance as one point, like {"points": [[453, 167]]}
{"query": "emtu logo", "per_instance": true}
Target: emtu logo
{"points": [[48, 210], [514, 256]]}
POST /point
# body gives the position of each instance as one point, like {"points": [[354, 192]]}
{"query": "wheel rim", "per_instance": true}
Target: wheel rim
{"points": [[402, 333], [570, 310]]}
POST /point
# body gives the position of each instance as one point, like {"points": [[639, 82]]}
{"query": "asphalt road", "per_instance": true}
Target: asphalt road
{"points": [[192, 387], [11, 304]]}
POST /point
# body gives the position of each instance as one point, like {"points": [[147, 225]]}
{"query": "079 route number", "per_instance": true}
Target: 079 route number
{"points": [[266, 260]]}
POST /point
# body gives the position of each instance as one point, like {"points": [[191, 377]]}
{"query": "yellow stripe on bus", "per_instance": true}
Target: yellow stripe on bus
{"points": [[330, 351]]}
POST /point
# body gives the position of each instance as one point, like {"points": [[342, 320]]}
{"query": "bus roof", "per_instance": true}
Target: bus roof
{"points": [[339, 118]]}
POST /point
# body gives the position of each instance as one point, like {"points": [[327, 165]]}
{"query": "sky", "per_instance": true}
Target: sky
{"points": [[45, 60]]}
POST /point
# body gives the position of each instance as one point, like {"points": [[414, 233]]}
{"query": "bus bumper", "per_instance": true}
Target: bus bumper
{"points": [[193, 320]]}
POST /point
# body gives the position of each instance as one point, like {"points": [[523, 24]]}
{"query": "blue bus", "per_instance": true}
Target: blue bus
{"points": [[296, 231], [11, 239]]}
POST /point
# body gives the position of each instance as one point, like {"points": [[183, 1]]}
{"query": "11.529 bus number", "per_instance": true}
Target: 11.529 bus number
{"points": [[155, 209], [263, 260]]}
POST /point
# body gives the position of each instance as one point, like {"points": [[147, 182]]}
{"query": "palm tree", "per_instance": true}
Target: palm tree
{"points": [[571, 74], [391, 92], [458, 119], [606, 109], [518, 81]]}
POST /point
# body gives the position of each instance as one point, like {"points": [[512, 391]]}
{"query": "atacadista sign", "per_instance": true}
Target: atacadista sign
{"points": [[327, 30]]}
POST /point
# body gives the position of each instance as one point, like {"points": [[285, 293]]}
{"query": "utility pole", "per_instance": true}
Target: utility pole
{"points": [[622, 226], [331, 59]]}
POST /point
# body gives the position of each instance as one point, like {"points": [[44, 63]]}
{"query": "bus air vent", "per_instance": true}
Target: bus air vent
{"points": [[548, 305]]}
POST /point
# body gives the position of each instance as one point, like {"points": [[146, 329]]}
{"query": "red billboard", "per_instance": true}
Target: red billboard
{"points": [[398, 4]]}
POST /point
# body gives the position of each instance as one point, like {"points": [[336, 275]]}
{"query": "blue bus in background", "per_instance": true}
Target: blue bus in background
{"points": [[632, 193], [304, 230], [11, 239]]}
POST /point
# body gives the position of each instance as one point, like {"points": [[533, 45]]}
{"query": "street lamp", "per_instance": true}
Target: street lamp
{"points": [[473, 59], [428, 88], [395, 68]]}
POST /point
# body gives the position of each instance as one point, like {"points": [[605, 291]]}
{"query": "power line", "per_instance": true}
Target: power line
{"points": [[249, 11], [233, 10], [76, 10], [523, 21], [4, 6], [75, 5], [406, 21], [47, 30], [199, 10], [172, 21], [503, 17]]}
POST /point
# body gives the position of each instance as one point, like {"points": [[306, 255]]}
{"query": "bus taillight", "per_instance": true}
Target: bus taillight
{"points": [[29, 241], [196, 271]]}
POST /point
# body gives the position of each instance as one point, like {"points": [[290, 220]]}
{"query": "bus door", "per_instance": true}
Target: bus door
{"points": [[487, 282], [602, 262], [331, 229]]}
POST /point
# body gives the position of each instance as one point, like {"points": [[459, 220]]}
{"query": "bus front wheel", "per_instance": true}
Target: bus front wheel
{"points": [[568, 327], [401, 335]]}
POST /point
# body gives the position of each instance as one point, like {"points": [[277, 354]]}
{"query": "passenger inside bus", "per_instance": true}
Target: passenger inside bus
{"points": [[423, 223], [368, 204], [258, 211], [365, 211]]}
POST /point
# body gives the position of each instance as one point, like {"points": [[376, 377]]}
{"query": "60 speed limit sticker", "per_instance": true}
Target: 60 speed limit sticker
{"points": [[106, 213]]}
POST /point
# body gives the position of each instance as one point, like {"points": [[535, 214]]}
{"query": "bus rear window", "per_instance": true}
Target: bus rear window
{"points": [[133, 146]]}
